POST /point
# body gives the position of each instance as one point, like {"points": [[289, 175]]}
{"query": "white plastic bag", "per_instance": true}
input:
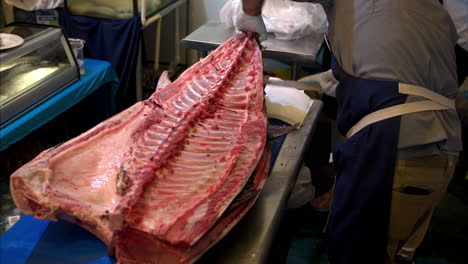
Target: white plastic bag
{"points": [[31, 5], [291, 20], [286, 19], [229, 12]]}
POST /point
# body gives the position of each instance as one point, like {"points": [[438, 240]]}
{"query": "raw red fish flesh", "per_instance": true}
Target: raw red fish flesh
{"points": [[164, 180]]}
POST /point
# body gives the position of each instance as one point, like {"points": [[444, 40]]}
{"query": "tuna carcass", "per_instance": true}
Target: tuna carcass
{"points": [[165, 179]]}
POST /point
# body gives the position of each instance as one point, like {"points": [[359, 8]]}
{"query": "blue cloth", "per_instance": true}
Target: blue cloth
{"points": [[97, 74], [113, 40], [64, 242], [365, 163], [275, 144], [34, 241], [16, 245]]}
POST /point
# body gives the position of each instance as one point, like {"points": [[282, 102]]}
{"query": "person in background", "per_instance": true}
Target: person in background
{"points": [[2, 17], [394, 61], [458, 10]]}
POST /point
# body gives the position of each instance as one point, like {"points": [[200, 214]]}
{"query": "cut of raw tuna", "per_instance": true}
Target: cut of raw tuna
{"points": [[167, 169], [141, 247]]}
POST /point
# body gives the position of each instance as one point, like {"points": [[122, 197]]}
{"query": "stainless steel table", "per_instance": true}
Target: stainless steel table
{"points": [[250, 241], [211, 35]]}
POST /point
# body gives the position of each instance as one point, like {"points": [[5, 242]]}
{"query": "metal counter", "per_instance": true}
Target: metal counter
{"points": [[250, 241], [211, 35]]}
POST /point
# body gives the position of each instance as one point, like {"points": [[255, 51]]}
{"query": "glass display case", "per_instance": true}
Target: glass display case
{"points": [[116, 9], [31, 72]]}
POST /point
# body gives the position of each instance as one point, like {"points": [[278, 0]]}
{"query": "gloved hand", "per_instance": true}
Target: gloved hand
{"points": [[245, 23], [327, 82]]}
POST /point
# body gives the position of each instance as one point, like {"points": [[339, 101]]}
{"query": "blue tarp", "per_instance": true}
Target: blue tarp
{"points": [[97, 74]]}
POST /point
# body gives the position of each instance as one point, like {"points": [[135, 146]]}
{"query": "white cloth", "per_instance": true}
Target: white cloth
{"points": [[31, 5], [458, 10], [246, 23]]}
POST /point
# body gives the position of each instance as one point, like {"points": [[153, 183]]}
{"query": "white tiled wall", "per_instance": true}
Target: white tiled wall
{"points": [[202, 11]]}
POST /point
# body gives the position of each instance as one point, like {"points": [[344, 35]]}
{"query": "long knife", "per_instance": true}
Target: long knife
{"points": [[295, 84]]}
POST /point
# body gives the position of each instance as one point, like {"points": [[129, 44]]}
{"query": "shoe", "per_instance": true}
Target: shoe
{"points": [[405, 256]]}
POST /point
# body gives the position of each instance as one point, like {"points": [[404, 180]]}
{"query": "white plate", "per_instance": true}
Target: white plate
{"points": [[8, 41]]}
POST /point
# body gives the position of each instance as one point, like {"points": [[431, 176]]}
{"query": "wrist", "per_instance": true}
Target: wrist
{"points": [[252, 11]]}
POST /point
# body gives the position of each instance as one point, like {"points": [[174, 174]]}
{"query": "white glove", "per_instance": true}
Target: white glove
{"points": [[327, 82], [245, 23]]}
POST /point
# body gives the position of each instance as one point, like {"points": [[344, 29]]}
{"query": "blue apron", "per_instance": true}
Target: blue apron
{"points": [[365, 163]]}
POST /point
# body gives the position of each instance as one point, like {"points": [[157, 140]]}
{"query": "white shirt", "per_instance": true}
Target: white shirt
{"points": [[458, 10], [408, 41]]}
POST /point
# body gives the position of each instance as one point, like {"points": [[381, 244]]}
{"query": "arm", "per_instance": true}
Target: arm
{"points": [[252, 7], [250, 19]]}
